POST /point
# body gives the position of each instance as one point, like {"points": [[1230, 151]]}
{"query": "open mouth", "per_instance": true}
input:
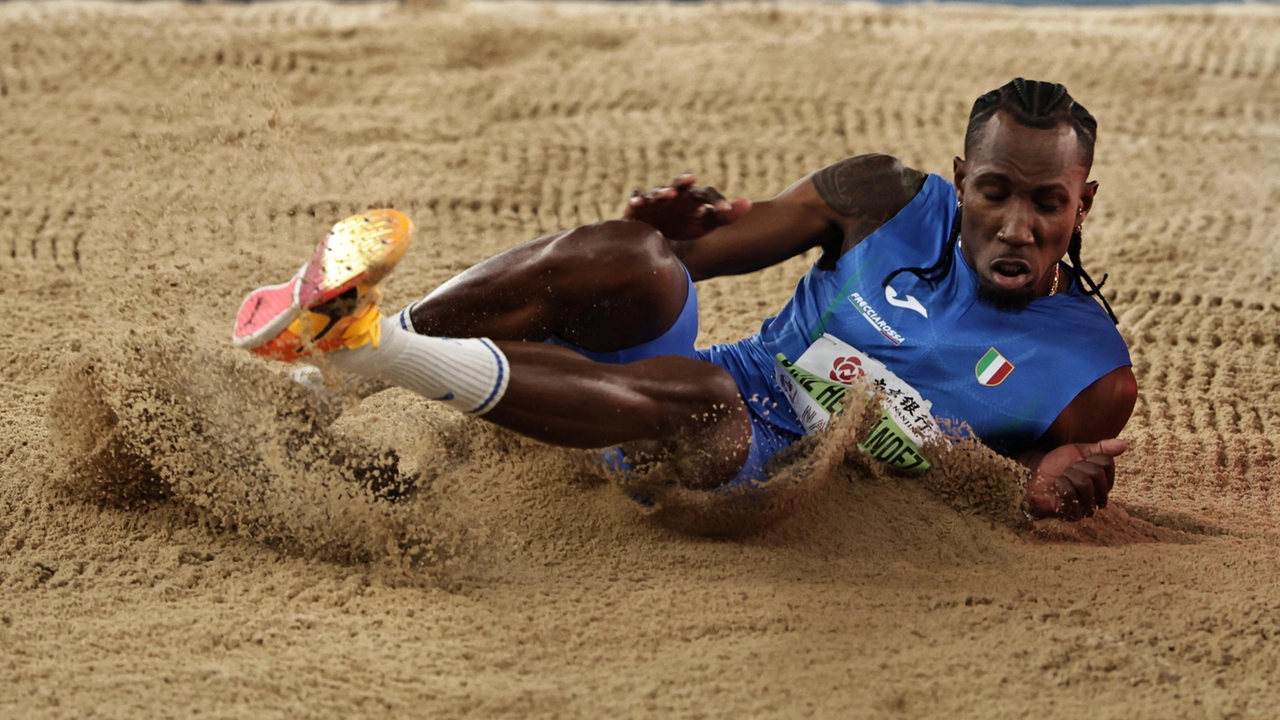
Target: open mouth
{"points": [[1010, 273]]}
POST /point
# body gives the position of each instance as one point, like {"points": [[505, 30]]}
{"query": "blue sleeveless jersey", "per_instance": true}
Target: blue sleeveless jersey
{"points": [[1007, 374]]}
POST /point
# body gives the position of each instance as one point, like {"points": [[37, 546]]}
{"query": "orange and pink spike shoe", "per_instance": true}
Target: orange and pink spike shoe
{"points": [[333, 300]]}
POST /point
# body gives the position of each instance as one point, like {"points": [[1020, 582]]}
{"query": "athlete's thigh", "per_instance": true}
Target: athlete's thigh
{"points": [[699, 415], [504, 297], [603, 287]]}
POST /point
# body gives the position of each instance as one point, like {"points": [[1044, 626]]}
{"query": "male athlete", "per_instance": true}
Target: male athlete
{"points": [[951, 297]]}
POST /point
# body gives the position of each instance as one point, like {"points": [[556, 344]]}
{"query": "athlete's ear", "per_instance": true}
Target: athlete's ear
{"points": [[957, 173], [1086, 199]]}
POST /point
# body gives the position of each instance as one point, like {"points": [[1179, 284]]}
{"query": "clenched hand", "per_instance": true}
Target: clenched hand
{"points": [[683, 210], [1072, 482]]}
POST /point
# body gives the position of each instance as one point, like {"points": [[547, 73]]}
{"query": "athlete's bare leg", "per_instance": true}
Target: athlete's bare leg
{"points": [[602, 287], [560, 397]]}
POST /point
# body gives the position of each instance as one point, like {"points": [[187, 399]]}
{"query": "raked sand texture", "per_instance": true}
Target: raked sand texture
{"points": [[180, 535]]}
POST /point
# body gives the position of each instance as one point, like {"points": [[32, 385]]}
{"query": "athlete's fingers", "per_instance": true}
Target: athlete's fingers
{"points": [[1034, 502], [639, 198], [662, 193], [1115, 447], [1097, 472], [709, 196], [1090, 480], [706, 193], [1082, 485], [1108, 465], [737, 209], [1068, 505], [712, 209], [672, 208]]}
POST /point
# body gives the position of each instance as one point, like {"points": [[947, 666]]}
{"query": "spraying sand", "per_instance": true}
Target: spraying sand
{"points": [[183, 530]]}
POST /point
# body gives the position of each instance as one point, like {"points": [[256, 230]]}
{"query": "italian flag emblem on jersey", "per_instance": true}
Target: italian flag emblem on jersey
{"points": [[993, 368]]}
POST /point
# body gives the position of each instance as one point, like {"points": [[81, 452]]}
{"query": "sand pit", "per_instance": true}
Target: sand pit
{"points": [[184, 532]]}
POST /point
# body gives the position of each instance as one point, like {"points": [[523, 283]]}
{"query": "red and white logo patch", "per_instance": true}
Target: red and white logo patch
{"points": [[846, 369]]}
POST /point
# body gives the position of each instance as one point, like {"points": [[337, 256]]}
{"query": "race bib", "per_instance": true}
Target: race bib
{"points": [[817, 382]]}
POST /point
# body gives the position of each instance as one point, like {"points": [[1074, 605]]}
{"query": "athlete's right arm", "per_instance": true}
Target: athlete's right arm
{"points": [[833, 208], [770, 232]]}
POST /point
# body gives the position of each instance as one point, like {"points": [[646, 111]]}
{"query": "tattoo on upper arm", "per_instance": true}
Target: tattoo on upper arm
{"points": [[870, 189]]}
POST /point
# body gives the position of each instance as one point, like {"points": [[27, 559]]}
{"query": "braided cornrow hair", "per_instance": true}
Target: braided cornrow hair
{"points": [[1090, 287], [1035, 104]]}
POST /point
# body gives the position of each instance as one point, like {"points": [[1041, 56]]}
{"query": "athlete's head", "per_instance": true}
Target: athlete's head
{"points": [[1023, 185], [1024, 190]]}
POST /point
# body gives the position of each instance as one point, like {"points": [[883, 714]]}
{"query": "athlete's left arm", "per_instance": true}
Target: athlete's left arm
{"points": [[1073, 468]]}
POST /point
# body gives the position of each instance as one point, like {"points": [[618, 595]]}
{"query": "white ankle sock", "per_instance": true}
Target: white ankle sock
{"points": [[469, 374], [403, 318]]}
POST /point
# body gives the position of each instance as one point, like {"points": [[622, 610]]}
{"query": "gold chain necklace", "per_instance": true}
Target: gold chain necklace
{"points": [[1054, 290]]}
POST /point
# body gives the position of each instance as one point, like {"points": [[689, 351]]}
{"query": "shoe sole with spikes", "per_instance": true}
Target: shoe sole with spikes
{"points": [[332, 301]]}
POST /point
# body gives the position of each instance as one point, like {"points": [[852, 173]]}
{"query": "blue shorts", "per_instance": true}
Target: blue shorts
{"points": [[773, 427]]}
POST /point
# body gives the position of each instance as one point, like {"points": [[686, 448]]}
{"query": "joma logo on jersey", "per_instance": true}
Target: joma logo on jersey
{"points": [[876, 321], [908, 302]]}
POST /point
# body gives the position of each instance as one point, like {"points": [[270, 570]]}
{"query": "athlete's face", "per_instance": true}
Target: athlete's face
{"points": [[1024, 191]]}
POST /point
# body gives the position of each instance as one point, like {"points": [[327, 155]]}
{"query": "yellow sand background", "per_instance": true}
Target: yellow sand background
{"points": [[176, 536]]}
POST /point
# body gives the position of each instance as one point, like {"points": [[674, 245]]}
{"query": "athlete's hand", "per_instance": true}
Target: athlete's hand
{"points": [[683, 210], [1072, 482]]}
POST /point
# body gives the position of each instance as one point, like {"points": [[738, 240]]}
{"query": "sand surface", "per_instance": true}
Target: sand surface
{"points": [[179, 535]]}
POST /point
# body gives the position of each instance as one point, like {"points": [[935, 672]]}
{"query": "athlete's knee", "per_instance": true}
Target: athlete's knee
{"points": [[628, 232], [631, 252]]}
